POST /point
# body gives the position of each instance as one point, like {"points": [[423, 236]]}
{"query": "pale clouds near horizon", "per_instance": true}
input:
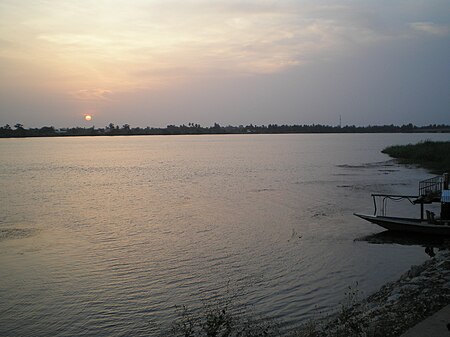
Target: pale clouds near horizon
{"points": [[164, 62]]}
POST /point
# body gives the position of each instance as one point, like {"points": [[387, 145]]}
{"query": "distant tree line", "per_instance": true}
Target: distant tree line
{"points": [[196, 129]]}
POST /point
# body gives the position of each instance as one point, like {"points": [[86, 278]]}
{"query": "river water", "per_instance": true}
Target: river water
{"points": [[104, 236]]}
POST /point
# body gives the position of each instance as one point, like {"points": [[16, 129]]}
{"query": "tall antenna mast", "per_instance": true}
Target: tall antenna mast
{"points": [[340, 121]]}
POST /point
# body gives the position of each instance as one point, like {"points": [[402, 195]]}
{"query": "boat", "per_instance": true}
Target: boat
{"points": [[433, 190], [408, 224]]}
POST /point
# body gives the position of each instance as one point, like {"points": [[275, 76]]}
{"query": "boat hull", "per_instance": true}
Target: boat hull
{"points": [[407, 225]]}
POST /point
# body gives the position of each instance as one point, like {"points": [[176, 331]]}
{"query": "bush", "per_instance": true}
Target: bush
{"points": [[434, 156], [222, 319]]}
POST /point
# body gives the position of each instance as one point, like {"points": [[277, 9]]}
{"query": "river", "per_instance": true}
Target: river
{"points": [[104, 236]]}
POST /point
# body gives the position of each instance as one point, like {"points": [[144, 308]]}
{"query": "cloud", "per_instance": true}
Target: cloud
{"points": [[431, 28], [152, 44], [76, 39], [241, 37], [92, 94]]}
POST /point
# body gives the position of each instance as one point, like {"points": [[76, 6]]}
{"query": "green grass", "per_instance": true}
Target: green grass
{"points": [[434, 156]]}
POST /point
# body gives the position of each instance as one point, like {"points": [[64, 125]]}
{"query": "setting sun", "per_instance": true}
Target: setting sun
{"points": [[87, 118]]}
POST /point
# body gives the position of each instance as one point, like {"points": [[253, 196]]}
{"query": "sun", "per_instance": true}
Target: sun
{"points": [[87, 117]]}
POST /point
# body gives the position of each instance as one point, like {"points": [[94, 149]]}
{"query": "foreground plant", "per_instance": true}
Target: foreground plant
{"points": [[220, 320], [223, 317]]}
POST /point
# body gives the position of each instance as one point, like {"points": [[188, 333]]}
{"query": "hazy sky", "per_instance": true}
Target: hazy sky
{"points": [[160, 62]]}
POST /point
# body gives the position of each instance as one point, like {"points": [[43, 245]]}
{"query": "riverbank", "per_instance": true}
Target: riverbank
{"points": [[417, 294], [390, 312], [395, 308], [196, 129], [434, 156]]}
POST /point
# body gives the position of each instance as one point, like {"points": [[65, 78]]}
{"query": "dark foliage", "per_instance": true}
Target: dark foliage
{"points": [[434, 156], [222, 319], [196, 129]]}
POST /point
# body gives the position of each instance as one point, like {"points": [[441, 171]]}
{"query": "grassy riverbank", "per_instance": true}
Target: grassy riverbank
{"points": [[434, 156], [389, 312]]}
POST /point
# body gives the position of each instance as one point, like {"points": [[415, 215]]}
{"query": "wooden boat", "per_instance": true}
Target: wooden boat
{"points": [[430, 191], [408, 225]]}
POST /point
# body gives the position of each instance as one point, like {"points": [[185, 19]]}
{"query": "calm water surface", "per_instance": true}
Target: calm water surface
{"points": [[104, 236]]}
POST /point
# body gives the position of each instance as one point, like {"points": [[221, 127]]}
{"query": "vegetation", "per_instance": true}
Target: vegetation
{"points": [[221, 322], [434, 156], [224, 318], [395, 308], [192, 128]]}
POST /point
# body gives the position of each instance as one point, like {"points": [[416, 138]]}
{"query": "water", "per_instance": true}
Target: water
{"points": [[104, 236]]}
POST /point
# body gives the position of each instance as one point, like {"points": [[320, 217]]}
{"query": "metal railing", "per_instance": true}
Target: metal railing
{"points": [[432, 186], [384, 199]]}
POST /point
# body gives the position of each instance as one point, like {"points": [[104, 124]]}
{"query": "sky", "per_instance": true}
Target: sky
{"points": [[161, 62]]}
